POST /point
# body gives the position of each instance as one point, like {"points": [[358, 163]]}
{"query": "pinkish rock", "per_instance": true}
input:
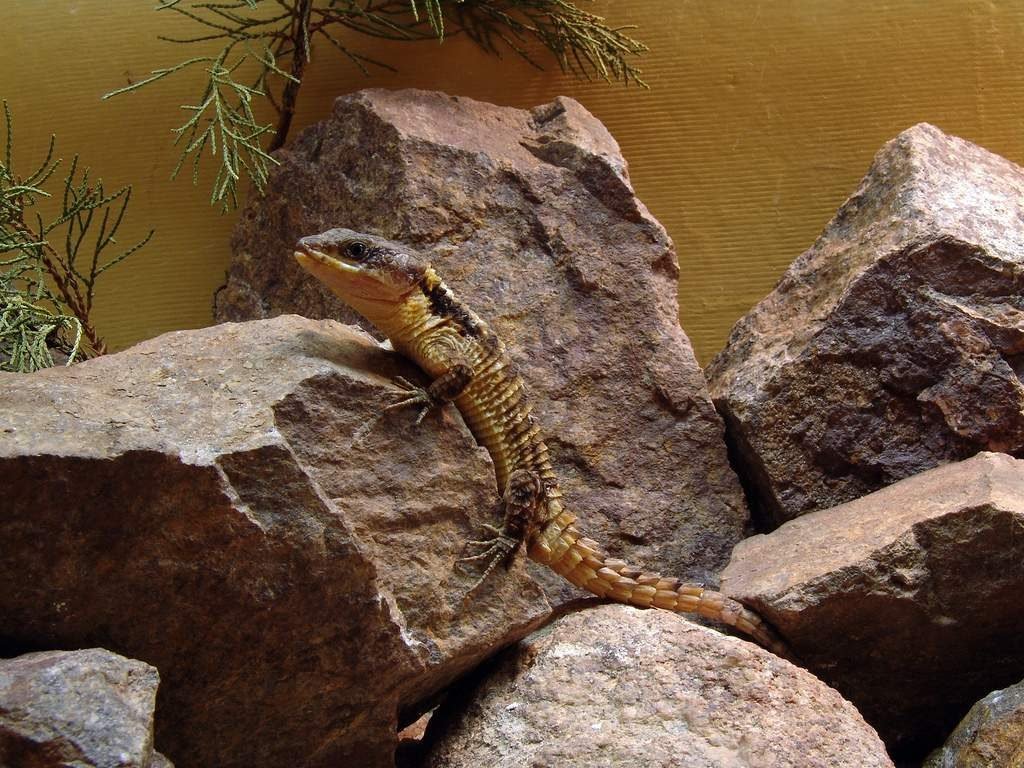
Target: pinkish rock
{"points": [[907, 601], [531, 218], [231, 506], [895, 343], [616, 686], [87, 709]]}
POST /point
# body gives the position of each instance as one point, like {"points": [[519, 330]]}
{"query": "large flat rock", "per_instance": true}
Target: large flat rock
{"points": [[230, 506], [908, 600], [617, 686], [531, 219], [895, 343]]}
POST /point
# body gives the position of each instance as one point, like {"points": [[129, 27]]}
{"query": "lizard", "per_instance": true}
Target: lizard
{"points": [[399, 292]]}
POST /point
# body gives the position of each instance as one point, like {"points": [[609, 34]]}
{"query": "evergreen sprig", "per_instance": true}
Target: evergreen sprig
{"points": [[276, 39], [49, 265], [581, 42]]}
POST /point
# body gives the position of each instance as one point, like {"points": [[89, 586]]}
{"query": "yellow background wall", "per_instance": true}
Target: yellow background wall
{"points": [[761, 118]]}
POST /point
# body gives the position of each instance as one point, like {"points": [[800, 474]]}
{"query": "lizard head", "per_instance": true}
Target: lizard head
{"points": [[361, 269]]}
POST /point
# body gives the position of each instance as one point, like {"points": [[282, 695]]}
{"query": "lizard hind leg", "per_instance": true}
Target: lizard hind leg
{"points": [[522, 502]]}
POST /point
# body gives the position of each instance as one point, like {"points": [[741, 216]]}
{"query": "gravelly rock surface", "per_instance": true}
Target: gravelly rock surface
{"points": [[616, 686], [87, 709], [991, 734]]}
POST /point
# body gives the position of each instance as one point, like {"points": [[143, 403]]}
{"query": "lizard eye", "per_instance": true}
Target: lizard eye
{"points": [[356, 250]]}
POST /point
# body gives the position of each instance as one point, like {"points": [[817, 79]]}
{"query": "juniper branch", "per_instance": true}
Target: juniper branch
{"points": [[48, 285], [278, 44]]}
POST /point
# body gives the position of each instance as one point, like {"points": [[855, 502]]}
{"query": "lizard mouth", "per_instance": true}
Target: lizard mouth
{"points": [[352, 282], [309, 256], [359, 267]]}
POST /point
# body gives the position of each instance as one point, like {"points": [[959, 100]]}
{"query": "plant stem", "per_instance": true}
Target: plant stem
{"points": [[68, 287], [300, 57]]}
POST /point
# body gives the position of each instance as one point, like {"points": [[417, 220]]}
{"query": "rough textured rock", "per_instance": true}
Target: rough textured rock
{"points": [[617, 686], [992, 734], [226, 505], [895, 343], [907, 601], [530, 217], [85, 709]]}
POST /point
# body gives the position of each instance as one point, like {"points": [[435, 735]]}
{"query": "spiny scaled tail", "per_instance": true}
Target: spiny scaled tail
{"points": [[582, 561]]}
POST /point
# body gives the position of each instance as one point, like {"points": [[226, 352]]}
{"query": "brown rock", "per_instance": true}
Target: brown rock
{"points": [[907, 601], [617, 686], [230, 505], [530, 217], [895, 343], [991, 734], [88, 709]]}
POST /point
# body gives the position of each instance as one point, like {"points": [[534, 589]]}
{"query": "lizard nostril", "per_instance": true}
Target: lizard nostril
{"points": [[309, 244]]}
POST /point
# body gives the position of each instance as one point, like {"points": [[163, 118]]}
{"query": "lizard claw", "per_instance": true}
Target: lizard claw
{"points": [[413, 395], [496, 550], [488, 528], [403, 383]]}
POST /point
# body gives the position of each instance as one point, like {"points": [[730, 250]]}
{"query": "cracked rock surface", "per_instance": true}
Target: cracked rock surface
{"points": [[231, 506], [895, 343], [531, 219]]}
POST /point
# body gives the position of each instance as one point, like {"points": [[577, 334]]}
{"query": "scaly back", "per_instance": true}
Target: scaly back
{"points": [[426, 322]]}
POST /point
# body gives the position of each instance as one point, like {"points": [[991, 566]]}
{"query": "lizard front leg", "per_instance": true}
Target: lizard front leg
{"points": [[441, 390], [523, 503]]}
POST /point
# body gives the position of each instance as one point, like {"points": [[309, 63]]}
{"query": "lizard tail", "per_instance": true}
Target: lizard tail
{"points": [[583, 562]]}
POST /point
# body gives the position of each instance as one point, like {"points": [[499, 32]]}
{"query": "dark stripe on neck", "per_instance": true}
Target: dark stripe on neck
{"points": [[444, 304]]}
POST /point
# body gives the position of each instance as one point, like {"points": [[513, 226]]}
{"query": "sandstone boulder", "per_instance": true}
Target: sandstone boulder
{"points": [[88, 709], [531, 219], [991, 734], [895, 343], [231, 506], [617, 686], [908, 600]]}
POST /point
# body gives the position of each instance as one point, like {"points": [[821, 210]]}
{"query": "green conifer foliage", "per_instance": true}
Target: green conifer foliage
{"points": [[265, 45], [49, 263]]}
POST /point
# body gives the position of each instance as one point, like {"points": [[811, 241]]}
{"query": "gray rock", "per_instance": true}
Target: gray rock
{"points": [[616, 686], [895, 343], [531, 219], [88, 709], [907, 600], [230, 505], [991, 734]]}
